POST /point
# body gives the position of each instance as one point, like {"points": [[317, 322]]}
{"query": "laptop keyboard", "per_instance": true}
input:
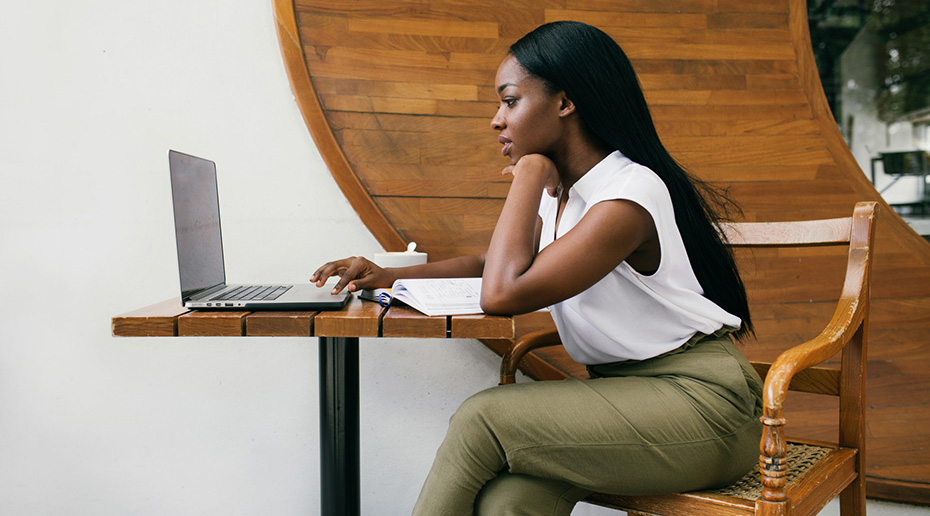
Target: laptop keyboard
{"points": [[253, 293]]}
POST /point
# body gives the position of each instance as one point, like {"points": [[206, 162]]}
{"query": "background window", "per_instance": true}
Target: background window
{"points": [[874, 62]]}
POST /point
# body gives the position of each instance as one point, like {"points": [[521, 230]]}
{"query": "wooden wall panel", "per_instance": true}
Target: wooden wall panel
{"points": [[398, 95]]}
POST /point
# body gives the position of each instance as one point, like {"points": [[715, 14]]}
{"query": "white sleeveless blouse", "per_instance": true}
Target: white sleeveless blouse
{"points": [[627, 315]]}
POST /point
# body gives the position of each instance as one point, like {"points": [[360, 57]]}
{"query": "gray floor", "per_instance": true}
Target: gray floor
{"points": [[879, 508]]}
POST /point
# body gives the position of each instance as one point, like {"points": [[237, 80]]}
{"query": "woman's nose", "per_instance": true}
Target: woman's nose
{"points": [[497, 122]]}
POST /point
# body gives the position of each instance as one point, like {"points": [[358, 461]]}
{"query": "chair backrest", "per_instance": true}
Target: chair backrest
{"points": [[838, 232], [796, 369]]}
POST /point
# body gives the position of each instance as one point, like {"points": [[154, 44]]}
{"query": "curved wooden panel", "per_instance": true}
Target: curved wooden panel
{"points": [[398, 95], [329, 147]]}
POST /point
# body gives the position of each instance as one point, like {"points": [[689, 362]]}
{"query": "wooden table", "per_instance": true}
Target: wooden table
{"points": [[338, 332]]}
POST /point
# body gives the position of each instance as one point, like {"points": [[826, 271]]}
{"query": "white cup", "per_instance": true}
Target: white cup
{"points": [[401, 258]]}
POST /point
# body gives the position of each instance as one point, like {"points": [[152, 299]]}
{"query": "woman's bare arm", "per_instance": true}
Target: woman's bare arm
{"points": [[518, 280]]}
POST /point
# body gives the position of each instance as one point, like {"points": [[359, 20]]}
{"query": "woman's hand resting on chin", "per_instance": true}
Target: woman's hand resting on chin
{"points": [[537, 164]]}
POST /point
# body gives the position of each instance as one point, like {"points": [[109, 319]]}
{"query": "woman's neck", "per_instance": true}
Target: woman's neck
{"points": [[578, 158]]}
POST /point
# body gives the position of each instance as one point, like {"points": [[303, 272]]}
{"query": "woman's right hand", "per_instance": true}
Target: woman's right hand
{"points": [[356, 272], [539, 164]]}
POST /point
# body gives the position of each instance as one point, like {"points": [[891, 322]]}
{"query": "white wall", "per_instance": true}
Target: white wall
{"points": [[92, 96]]}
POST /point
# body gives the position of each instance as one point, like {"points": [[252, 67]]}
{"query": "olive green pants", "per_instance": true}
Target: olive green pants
{"points": [[685, 420]]}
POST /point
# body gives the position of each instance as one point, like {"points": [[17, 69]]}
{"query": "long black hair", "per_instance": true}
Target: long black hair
{"points": [[595, 73]]}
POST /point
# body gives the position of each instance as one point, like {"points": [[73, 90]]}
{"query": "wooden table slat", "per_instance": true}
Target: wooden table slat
{"points": [[158, 320], [482, 327], [212, 324], [403, 321], [280, 324], [358, 319]]}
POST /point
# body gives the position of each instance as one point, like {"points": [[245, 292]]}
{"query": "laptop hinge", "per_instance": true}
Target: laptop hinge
{"points": [[204, 292]]}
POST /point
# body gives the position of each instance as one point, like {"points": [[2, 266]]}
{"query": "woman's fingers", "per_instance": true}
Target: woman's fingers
{"points": [[329, 269], [349, 274], [356, 273]]}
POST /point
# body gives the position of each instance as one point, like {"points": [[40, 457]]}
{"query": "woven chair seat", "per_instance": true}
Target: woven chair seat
{"points": [[801, 458]]}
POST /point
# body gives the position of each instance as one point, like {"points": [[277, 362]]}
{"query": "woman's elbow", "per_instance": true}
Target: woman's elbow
{"points": [[498, 302]]}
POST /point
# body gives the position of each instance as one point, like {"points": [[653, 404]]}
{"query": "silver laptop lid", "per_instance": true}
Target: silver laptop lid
{"points": [[197, 223]]}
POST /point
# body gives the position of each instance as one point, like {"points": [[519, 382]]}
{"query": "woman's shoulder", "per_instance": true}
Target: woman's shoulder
{"points": [[628, 180]]}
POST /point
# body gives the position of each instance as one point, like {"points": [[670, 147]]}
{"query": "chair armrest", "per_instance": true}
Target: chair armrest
{"points": [[846, 322], [845, 332], [848, 325], [850, 315], [515, 353]]}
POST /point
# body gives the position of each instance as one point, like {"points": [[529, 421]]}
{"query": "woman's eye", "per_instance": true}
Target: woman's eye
{"points": [[509, 102]]}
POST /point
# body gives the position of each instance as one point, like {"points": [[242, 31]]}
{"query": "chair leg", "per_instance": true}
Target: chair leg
{"points": [[852, 499]]}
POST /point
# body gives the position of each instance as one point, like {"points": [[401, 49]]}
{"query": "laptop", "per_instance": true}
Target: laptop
{"points": [[200, 251]]}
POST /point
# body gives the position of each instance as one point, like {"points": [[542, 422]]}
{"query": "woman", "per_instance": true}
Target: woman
{"points": [[605, 228]]}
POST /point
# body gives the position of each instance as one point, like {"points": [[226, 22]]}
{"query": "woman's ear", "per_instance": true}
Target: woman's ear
{"points": [[566, 106]]}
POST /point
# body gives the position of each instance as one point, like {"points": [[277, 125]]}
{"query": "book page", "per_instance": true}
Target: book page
{"points": [[444, 296]]}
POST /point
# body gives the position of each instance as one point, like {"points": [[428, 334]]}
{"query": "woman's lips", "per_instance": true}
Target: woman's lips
{"points": [[506, 143]]}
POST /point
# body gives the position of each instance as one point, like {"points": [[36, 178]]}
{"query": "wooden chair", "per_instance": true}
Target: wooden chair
{"points": [[797, 477]]}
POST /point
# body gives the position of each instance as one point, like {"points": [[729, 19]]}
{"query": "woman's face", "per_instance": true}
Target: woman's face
{"points": [[528, 118]]}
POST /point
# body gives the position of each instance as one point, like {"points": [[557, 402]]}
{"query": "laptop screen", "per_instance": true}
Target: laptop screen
{"points": [[196, 222]]}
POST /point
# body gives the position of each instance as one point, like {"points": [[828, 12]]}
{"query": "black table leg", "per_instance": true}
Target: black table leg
{"points": [[339, 427]]}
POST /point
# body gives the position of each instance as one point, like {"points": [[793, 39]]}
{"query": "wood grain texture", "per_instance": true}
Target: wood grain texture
{"points": [[212, 324], [402, 321], [399, 95], [480, 326], [358, 319], [280, 324], [159, 320]]}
